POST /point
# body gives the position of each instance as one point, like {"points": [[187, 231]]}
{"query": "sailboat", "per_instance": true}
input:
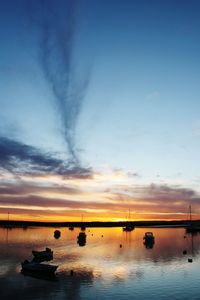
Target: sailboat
{"points": [[129, 225], [192, 227], [8, 225]]}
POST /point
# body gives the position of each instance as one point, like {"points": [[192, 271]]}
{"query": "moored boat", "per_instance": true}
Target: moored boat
{"points": [[47, 254], [192, 226], [128, 227], [57, 233], [149, 237], [81, 239], [81, 235], [38, 267]]}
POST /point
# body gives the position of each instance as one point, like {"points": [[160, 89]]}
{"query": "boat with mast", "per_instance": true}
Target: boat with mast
{"points": [[129, 225], [193, 226]]}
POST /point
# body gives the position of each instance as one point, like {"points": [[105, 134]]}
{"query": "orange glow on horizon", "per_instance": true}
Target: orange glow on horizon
{"points": [[89, 218]]}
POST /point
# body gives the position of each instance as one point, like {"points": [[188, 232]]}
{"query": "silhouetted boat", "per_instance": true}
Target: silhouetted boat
{"points": [[81, 239], [148, 237], [81, 236], [192, 227], [57, 234], [35, 267], [43, 255], [128, 227]]}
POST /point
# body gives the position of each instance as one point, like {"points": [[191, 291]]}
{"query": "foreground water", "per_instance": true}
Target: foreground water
{"points": [[102, 269]]}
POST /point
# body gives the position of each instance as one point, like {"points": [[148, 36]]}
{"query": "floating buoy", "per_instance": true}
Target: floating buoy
{"points": [[190, 260], [184, 236], [71, 272], [120, 245], [102, 235], [184, 252]]}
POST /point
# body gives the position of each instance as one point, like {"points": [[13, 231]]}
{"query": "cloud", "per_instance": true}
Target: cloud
{"points": [[57, 29], [19, 158]]}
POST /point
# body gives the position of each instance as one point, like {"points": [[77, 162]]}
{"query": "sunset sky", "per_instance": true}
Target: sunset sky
{"points": [[99, 109]]}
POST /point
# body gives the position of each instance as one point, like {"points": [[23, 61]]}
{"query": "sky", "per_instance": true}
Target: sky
{"points": [[99, 109]]}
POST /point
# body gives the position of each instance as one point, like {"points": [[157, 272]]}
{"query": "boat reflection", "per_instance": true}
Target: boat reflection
{"points": [[36, 275]]}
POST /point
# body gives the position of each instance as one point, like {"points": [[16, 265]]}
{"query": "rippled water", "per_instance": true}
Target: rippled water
{"points": [[102, 269]]}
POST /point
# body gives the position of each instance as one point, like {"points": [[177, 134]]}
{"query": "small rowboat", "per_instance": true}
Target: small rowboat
{"points": [[44, 269], [46, 254]]}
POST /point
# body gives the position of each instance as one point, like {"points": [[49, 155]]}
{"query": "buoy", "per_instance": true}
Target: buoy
{"points": [[190, 260], [120, 245], [102, 235], [71, 272], [184, 237], [184, 252]]}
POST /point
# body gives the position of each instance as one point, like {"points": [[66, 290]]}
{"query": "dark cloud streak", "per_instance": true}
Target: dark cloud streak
{"points": [[19, 158]]}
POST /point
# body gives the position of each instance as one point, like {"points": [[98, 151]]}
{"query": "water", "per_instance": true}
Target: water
{"points": [[102, 270]]}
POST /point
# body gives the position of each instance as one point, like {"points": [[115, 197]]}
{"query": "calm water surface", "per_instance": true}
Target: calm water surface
{"points": [[102, 270]]}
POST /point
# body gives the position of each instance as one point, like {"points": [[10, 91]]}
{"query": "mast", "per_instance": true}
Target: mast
{"points": [[190, 214]]}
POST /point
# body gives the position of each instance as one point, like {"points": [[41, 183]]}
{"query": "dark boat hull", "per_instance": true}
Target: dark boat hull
{"points": [[39, 268]]}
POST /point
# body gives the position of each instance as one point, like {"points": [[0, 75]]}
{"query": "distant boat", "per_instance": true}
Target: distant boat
{"points": [[128, 227], [57, 234], [47, 254], [81, 239], [71, 228], [191, 227], [149, 238], [44, 269], [81, 235], [8, 225]]}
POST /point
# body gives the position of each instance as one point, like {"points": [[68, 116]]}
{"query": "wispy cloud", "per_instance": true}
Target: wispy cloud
{"points": [[57, 60]]}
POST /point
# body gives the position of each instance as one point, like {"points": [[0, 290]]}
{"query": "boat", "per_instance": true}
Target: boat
{"points": [[57, 233], [149, 240], [39, 268], [128, 227], [192, 227], [81, 235], [148, 237], [81, 239], [47, 254]]}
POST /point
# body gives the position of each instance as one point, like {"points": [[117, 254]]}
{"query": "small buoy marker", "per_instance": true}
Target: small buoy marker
{"points": [[190, 260], [120, 245]]}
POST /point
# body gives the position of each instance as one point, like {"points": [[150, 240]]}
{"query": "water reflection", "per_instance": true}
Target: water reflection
{"points": [[102, 266]]}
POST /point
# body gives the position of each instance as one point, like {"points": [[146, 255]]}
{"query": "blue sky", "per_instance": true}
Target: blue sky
{"points": [[134, 67]]}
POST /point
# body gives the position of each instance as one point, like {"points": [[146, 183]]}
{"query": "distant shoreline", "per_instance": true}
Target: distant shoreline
{"points": [[165, 224]]}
